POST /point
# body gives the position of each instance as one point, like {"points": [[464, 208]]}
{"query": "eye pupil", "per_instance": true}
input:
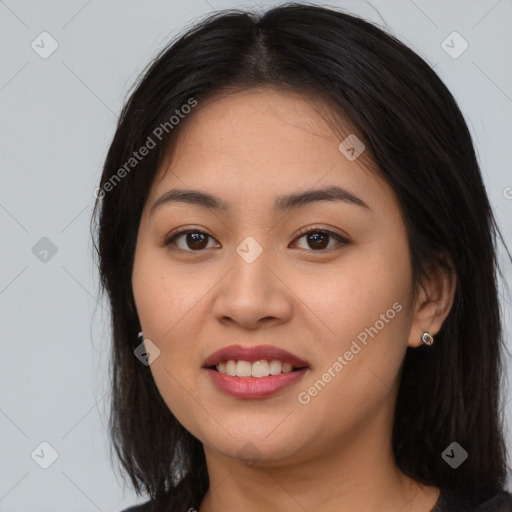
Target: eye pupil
{"points": [[193, 238], [314, 238]]}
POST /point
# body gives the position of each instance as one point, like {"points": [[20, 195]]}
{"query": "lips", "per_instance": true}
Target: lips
{"points": [[252, 354]]}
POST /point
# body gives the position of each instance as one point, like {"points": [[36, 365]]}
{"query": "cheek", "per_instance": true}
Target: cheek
{"points": [[352, 294], [171, 308], [365, 304], [359, 365], [165, 296], [177, 385], [166, 305]]}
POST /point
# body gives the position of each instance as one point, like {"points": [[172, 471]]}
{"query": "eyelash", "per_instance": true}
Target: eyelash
{"points": [[304, 231]]}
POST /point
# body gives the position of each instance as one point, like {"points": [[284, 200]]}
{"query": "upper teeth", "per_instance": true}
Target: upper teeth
{"points": [[261, 368]]}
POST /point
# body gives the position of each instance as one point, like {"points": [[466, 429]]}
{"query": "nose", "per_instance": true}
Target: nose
{"points": [[253, 294]]}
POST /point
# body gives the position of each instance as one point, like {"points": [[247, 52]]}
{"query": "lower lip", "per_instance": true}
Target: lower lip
{"points": [[255, 387]]}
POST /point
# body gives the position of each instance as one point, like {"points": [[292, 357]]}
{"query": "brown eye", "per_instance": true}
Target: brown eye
{"points": [[193, 240], [318, 240]]}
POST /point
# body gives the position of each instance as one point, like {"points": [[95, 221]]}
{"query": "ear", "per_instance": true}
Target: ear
{"points": [[433, 304]]}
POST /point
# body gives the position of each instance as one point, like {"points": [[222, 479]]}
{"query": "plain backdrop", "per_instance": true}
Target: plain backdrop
{"points": [[60, 95]]}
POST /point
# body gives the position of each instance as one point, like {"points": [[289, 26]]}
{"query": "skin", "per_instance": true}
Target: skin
{"points": [[333, 453]]}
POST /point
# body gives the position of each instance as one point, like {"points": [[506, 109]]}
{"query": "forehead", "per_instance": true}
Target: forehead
{"points": [[258, 144], [259, 124]]}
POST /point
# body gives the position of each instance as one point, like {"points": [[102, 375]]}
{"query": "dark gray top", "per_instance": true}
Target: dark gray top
{"points": [[448, 501]]}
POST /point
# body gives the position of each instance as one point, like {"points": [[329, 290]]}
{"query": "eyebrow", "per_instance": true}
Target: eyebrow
{"points": [[281, 204]]}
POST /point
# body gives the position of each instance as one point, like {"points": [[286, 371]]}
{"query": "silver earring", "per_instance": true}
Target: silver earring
{"points": [[140, 336], [427, 338]]}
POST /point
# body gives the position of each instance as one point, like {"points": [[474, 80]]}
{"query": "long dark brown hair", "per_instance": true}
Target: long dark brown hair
{"points": [[421, 145]]}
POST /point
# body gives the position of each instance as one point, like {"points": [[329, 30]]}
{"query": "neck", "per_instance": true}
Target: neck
{"points": [[358, 474]]}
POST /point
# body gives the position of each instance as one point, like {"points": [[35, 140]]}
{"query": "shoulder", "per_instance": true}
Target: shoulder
{"points": [[151, 506], [501, 502], [452, 501], [142, 507]]}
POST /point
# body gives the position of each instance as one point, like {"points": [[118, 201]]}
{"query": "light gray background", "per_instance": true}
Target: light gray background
{"points": [[58, 117]]}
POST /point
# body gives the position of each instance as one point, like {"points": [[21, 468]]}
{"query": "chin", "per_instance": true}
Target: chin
{"points": [[256, 449]]}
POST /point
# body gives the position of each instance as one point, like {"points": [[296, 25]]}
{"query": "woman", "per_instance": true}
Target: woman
{"points": [[299, 254]]}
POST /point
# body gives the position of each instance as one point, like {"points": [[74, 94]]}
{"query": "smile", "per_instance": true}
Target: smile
{"points": [[258, 369]]}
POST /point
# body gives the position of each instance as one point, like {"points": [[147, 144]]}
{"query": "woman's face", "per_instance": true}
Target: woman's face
{"points": [[251, 277]]}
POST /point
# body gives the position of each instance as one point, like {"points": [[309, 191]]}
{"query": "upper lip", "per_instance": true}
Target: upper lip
{"points": [[252, 354]]}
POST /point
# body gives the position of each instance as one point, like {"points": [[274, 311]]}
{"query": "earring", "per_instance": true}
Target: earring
{"points": [[427, 338], [140, 337]]}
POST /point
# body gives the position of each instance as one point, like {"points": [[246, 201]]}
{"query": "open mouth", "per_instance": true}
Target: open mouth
{"points": [[258, 369]]}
